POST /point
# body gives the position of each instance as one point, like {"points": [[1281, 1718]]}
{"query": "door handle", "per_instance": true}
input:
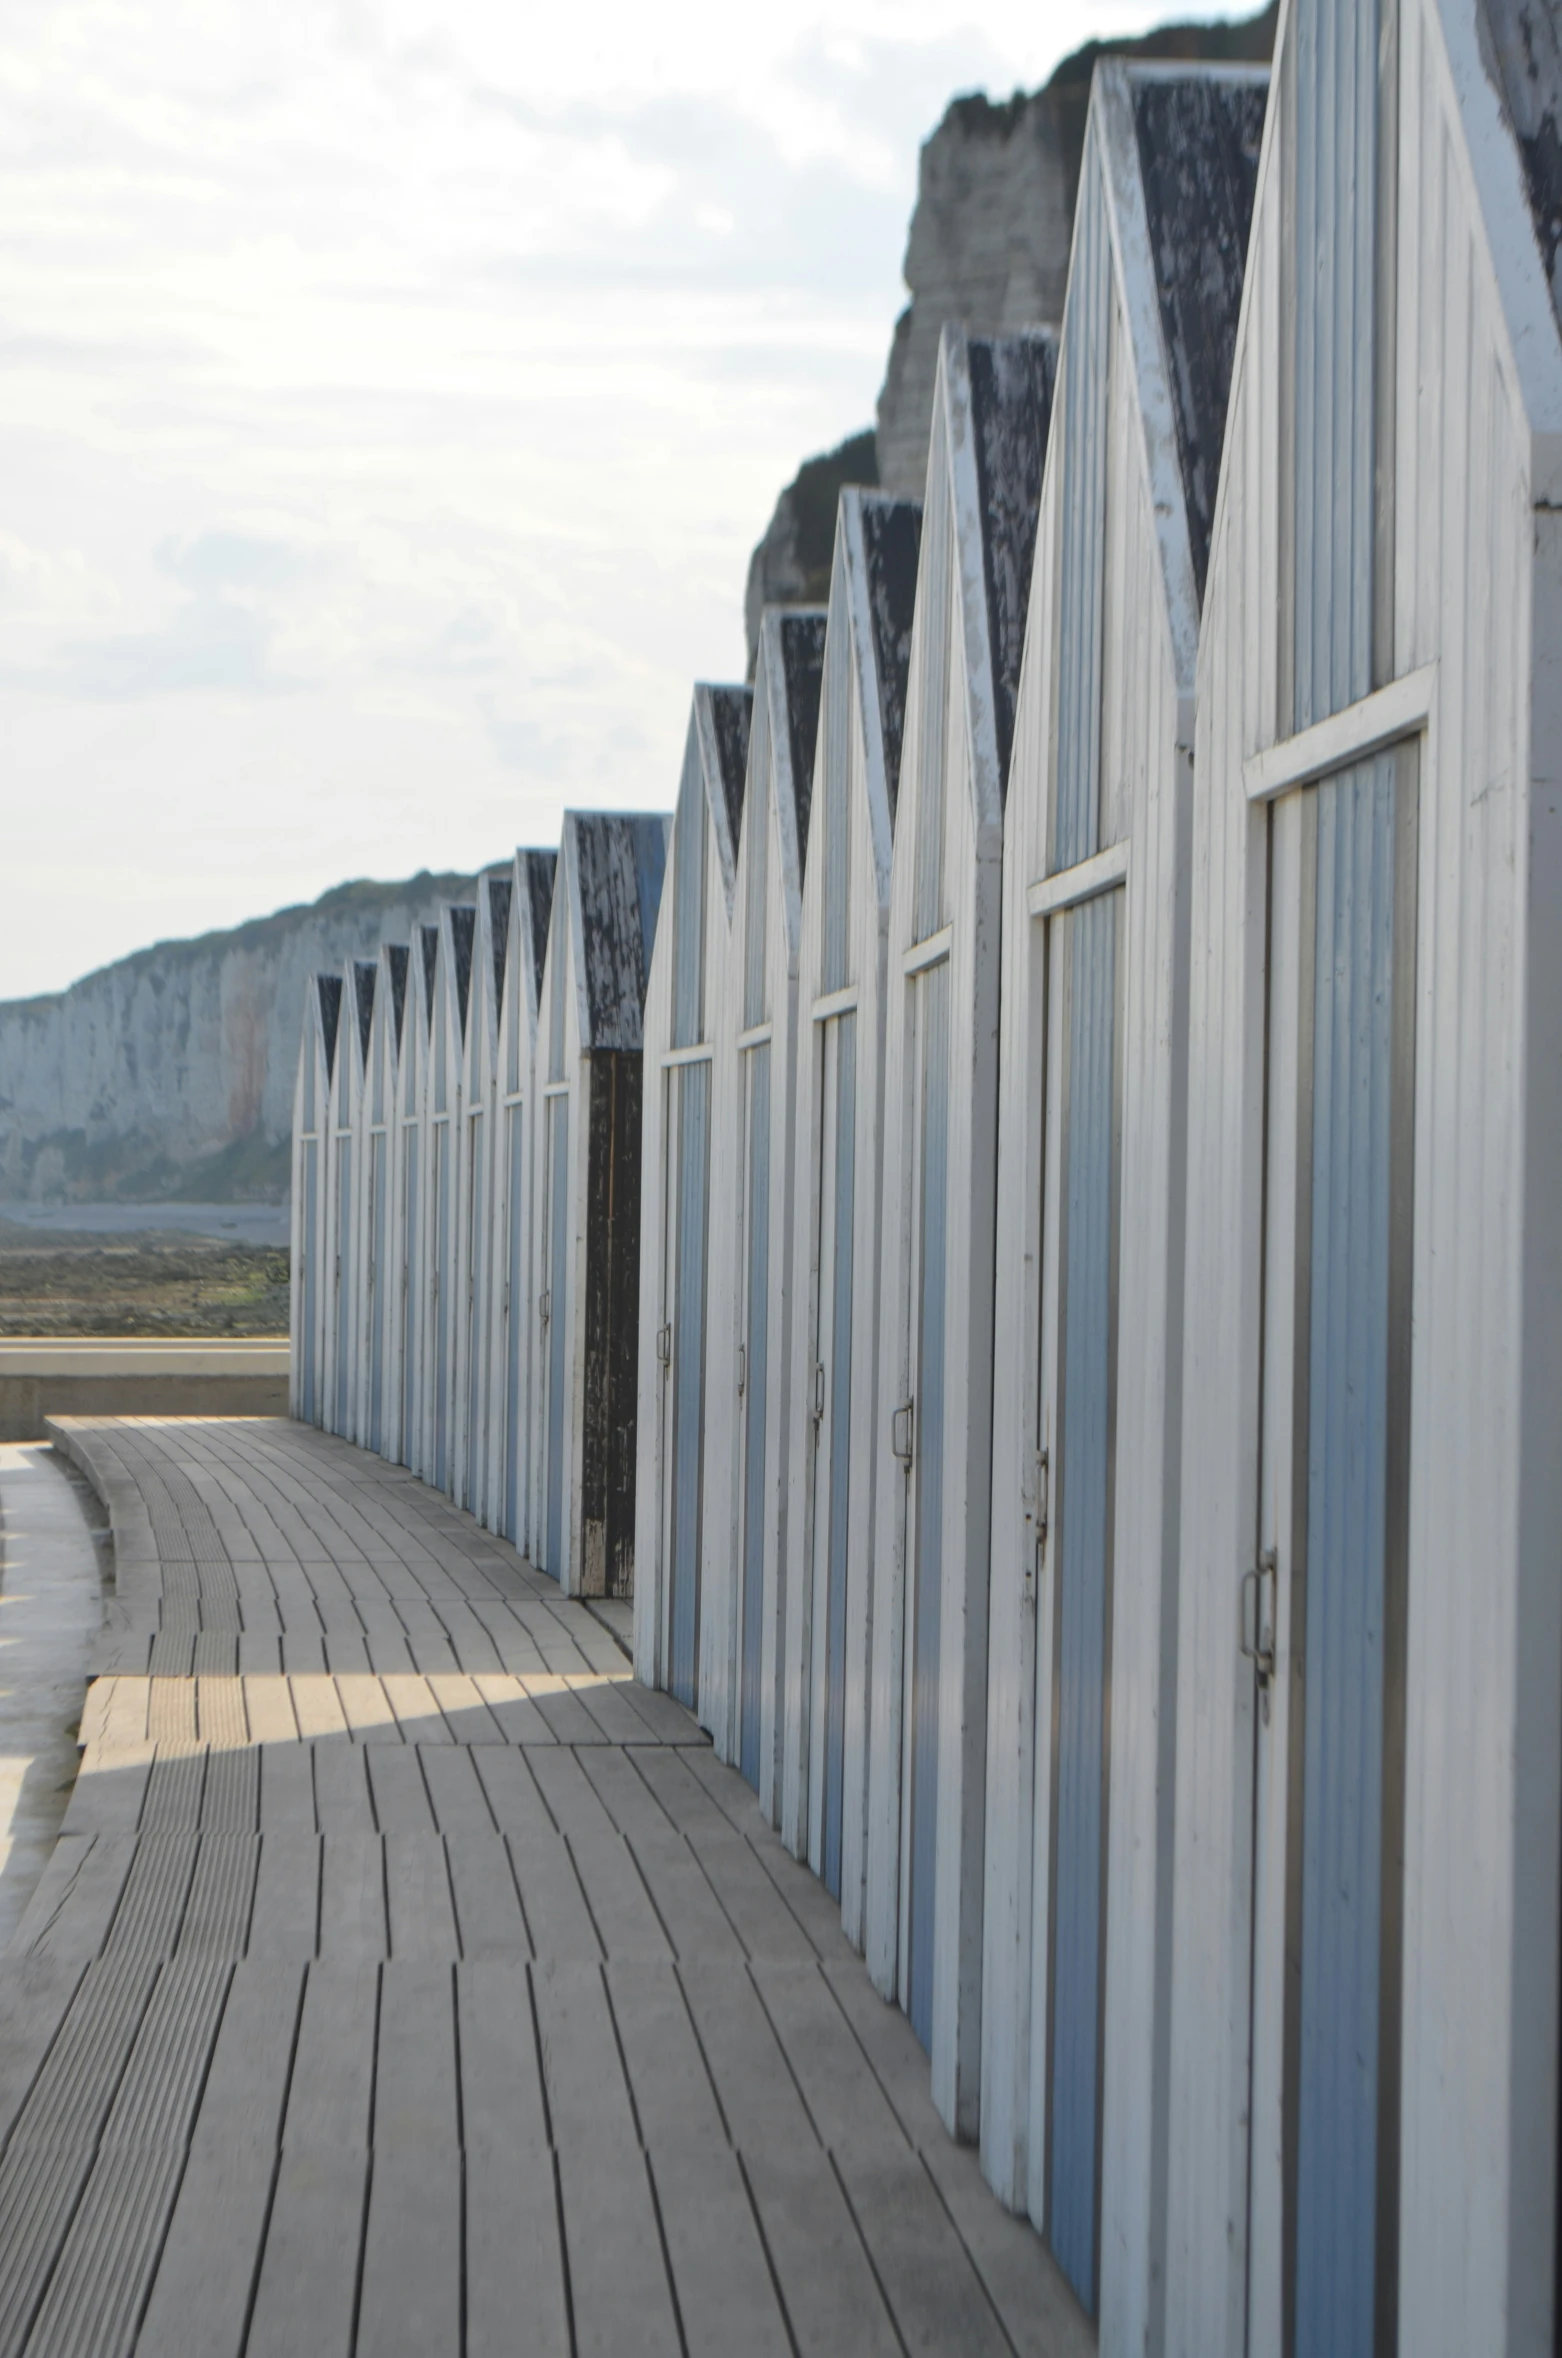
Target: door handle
{"points": [[1257, 1632], [900, 1433], [664, 1344], [742, 1369], [818, 1390]]}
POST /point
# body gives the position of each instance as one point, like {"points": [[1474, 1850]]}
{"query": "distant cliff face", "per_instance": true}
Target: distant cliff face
{"points": [[171, 1073], [988, 247], [994, 219]]}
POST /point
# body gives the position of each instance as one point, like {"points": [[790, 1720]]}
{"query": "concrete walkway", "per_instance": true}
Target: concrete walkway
{"points": [[50, 1609], [407, 1979]]}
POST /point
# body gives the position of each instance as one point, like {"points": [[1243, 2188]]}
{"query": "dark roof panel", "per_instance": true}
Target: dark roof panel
{"points": [[802, 660], [329, 988], [730, 710], [463, 925], [1524, 58], [364, 973], [499, 889], [1012, 380], [430, 936], [539, 869], [892, 543], [399, 956], [619, 861], [1199, 136]]}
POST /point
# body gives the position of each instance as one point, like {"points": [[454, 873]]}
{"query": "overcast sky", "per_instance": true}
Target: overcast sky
{"points": [[390, 396]]}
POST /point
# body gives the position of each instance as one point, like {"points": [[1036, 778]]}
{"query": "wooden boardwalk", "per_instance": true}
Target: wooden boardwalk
{"points": [[408, 1979]]}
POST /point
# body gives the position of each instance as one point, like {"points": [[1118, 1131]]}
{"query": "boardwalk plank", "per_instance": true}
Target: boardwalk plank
{"points": [[685, 2124]]}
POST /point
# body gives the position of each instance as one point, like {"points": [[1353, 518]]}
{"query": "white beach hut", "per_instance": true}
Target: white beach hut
{"points": [[687, 971], [474, 1304], [377, 1263], [586, 1197], [510, 1445], [748, 1412], [312, 1147], [408, 1222], [1364, 2008], [836, 1151], [933, 1459], [1092, 1078], [349, 1067], [442, 1078]]}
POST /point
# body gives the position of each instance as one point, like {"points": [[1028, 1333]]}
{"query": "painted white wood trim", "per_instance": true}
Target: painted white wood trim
{"points": [[757, 1036], [930, 952], [1400, 710], [833, 1003], [700, 1053], [1083, 882], [557, 1088]]}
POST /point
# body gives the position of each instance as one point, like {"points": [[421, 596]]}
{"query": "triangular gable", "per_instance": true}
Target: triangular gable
{"points": [[399, 957], [328, 989], [537, 874], [463, 925], [730, 710], [1011, 380], [802, 664], [499, 890], [365, 973], [1198, 136], [616, 861], [1524, 42], [891, 532]]}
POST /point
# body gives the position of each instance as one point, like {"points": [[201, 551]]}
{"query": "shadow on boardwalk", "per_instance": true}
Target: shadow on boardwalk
{"points": [[407, 1979]]}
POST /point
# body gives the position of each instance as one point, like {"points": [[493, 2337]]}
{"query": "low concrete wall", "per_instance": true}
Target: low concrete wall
{"points": [[105, 1377]]}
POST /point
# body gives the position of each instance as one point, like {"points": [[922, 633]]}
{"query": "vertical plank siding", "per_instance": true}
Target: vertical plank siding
{"points": [[587, 1145], [690, 948], [1463, 581], [827, 1600], [991, 412], [1049, 1306]]}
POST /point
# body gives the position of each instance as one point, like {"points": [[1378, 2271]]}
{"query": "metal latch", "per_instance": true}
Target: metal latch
{"points": [[544, 1307], [742, 1369], [1258, 1616], [900, 1433], [818, 1390], [1043, 1495], [664, 1344]]}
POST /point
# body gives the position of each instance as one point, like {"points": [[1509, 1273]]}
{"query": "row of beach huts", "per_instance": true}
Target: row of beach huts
{"points": [[1021, 1222]]}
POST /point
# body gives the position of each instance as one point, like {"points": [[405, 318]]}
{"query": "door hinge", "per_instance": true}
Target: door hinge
{"points": [[818, 1390], [742, 1369], [900, 1424], [1257, 1634]]}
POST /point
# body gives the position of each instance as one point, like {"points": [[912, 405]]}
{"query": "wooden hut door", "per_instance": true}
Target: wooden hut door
{"points": [[440, 1295], [514, 1300], [311, 1274], [753, 1375], [1324, 1604], [551, 1311], [379, 1172], [409, 1295], [342, 1280], [831, 1405], [922, 1442], [1075, 1487], [476, 1283], [681, 1349]]}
